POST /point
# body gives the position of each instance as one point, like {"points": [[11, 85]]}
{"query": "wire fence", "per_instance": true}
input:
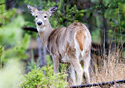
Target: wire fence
{"points": [[101, 84]]}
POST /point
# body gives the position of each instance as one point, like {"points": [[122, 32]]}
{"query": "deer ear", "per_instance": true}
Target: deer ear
{"points": [[32, 9], [52, 10]]}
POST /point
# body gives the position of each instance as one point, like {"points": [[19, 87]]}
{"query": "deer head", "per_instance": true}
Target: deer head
{"points": [[42, 17]]}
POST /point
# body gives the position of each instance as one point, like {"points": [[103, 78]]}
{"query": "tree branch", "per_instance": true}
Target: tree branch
{"points": [[30, 29]]}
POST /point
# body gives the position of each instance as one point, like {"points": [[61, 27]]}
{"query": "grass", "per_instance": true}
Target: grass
{"points": [[110, 69]]}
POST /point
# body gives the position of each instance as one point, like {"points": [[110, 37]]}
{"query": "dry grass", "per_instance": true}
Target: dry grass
{"points": [[112, 68]]}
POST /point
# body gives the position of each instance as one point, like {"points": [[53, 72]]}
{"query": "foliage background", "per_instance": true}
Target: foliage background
{"points": [[104, 18]]}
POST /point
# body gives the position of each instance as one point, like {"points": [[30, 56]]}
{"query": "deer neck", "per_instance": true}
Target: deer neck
{"points": [[45, 34]]}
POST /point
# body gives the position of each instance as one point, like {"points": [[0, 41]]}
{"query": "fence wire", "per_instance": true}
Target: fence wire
{"points": [[110, 83]]}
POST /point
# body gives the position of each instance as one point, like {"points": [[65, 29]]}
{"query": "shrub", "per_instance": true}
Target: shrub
{"points": [[13, 43], [44, 78], [10, 74]]}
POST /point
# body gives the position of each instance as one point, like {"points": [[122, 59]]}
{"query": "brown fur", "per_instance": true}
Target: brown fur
{"points": [[80, 36], [63, 37], [62, 43]]}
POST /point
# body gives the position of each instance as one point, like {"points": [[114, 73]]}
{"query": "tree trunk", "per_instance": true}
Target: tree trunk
{"points": [[10, 4], [104, 37], [41, 53]]}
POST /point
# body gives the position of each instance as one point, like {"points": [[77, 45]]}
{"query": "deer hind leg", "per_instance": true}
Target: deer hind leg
{"points": [[86, 68], [78, 68]]}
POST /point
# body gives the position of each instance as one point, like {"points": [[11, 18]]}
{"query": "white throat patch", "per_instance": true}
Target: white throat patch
{"points": [[41, 29]]}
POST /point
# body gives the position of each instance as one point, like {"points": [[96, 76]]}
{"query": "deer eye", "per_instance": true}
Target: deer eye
{"points": [[45, 16], [36, 16]]}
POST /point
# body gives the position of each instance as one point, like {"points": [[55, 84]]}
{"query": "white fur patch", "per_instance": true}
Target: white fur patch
{"points": [[65, 58], [78, 50], [41, 29], [79, 53]]}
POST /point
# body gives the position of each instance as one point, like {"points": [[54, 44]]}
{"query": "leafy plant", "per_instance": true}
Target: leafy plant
{"points": [[12, 41], [6, 15], [44, 78], [116, 18], [11, 73], [17, 51]]}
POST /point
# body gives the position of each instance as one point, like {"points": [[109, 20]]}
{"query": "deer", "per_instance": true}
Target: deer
{"points": [[71, 44]]}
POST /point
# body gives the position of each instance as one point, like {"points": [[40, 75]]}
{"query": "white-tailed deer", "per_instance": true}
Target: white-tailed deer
{"points": [[70, 44]]}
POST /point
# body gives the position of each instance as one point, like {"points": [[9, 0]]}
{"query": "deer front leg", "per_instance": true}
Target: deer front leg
{"points": [[56, 64]]}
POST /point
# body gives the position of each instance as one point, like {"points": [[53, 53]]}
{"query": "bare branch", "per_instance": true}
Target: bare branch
{"points": [[30, 29]]}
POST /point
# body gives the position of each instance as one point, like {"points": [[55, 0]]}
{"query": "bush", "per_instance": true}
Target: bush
{"points": [[13, 43], [11, 73], [44, 78]]}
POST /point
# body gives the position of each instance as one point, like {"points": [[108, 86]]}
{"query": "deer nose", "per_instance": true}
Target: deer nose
{"points": [[39, 23]]}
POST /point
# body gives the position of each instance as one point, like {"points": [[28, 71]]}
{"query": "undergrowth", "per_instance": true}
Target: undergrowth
{"points": [[112, 68], [44, 78]]}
